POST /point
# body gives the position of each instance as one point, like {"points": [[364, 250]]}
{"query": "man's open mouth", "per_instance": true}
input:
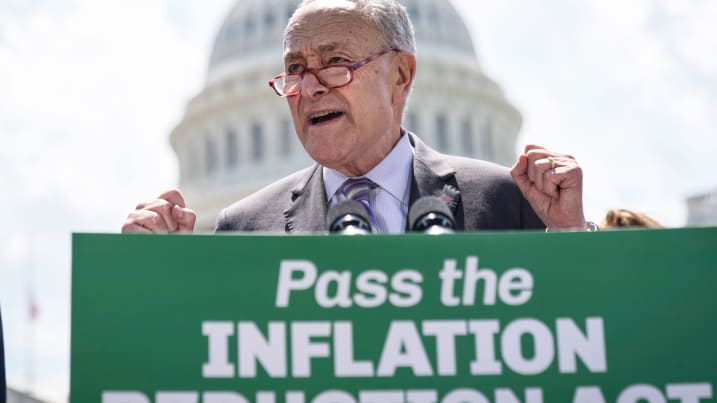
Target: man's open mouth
{"points": [[325, 117]]}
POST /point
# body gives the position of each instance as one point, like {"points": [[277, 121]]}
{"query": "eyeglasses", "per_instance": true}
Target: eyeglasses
{"points": [[334, 76]]}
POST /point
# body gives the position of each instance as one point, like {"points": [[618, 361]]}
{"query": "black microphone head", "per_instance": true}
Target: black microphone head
{"points": [[348, 217], [429, 213]]}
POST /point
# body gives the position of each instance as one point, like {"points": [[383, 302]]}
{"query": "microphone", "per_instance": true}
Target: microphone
{"points": [[431, 215], [348, 217]]}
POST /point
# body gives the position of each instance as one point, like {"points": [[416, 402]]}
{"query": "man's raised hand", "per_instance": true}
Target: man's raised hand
{"points": [[553, 185], [166, 214]]}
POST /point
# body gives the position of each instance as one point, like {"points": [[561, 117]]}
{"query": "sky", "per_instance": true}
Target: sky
{"points": [[90, 89]]}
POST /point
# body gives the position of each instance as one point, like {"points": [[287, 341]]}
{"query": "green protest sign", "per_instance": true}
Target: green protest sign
{"points": [[623, 317]]}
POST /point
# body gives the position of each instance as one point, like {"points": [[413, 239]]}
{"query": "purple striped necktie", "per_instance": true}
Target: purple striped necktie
{"points": [[359, 190]]}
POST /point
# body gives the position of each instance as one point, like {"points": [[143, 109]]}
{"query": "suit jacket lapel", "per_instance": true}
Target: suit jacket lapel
{"points": [[433, 176], [307, 212]]}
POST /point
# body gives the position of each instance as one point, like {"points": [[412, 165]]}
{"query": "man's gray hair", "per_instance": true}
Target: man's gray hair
{"points": [[389, 16]]}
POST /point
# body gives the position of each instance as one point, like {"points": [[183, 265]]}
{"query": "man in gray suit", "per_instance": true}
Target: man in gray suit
{"points": [[349, 67]]}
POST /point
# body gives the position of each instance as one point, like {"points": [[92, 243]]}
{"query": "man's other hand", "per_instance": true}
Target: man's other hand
{"points": [[165, 214], [553, 185]]}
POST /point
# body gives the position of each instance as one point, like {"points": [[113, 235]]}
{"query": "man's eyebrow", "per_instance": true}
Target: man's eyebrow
{"points": [[329, 47], [293, 56]]}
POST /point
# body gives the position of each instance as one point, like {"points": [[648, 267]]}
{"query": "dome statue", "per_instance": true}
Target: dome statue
{"points": [[237, 136]]}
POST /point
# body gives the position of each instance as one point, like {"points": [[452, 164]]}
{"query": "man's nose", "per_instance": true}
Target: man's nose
{"points": [[311, 86]]}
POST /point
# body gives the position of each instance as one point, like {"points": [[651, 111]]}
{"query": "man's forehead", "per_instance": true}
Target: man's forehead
{"points": [[323, 27]]}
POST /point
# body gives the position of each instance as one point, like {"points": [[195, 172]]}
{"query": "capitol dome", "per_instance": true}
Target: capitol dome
{"points": [[237, 136]]}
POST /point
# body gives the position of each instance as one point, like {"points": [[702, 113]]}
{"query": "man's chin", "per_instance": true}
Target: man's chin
{"points": [[332, 159]]}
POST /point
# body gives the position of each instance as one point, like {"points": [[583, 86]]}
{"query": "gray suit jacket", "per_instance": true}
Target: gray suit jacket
{"points": [[482, 196]]}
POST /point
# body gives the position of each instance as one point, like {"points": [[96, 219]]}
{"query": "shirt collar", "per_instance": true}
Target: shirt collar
{"points": [[391, 174]]}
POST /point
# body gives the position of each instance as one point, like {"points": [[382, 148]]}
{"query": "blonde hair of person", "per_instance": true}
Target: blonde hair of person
{"points": [[623, 218]]}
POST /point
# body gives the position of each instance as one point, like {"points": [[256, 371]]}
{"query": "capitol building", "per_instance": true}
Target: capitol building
{"points": [[236, 135]]}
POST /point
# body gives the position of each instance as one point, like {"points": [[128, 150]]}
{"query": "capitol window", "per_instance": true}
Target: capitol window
{"points": [[467, 145], [414, 12], [193, 163], [257, 142], [433, 15], [286, 137], [441, 132], [269, 19], [487, 140], [249, 24], [211, 155], [232, 148]]}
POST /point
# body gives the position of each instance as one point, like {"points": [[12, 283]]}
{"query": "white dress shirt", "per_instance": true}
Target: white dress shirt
{"points": [[389, 201]]}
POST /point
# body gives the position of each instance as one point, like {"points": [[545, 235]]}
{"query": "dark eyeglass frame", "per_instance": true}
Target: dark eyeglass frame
{"points": [[351, 67]]}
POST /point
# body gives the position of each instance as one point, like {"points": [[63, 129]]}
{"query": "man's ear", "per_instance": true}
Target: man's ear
{"points": [[405, 74]]}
